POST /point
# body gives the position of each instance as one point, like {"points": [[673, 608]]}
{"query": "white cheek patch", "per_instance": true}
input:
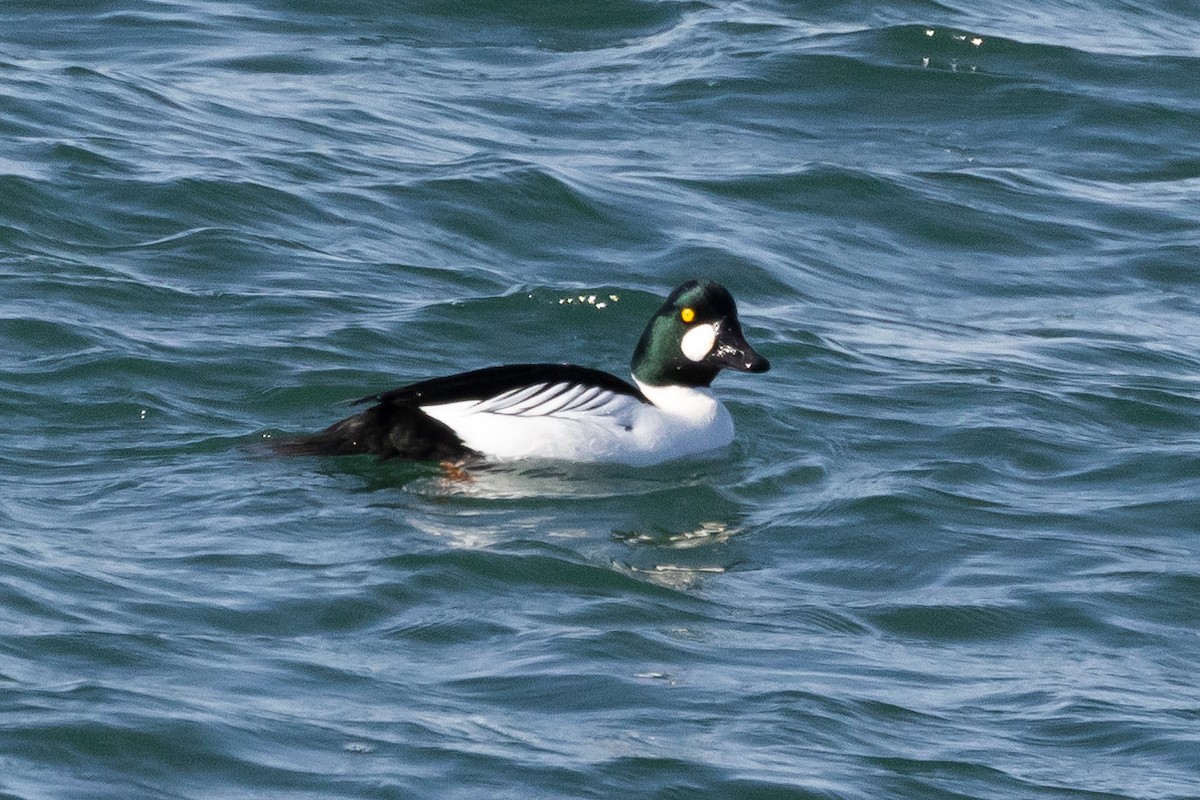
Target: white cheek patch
{"points": [[699, 341]]}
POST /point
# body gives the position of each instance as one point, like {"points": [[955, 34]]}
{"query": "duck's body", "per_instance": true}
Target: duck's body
{"points": [[562, 411]]}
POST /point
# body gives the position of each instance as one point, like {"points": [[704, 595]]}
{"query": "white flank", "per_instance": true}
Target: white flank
{"points": [[587, 423]]}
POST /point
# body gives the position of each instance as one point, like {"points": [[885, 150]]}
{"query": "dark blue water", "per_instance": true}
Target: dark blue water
{"points": [[953, 552]]}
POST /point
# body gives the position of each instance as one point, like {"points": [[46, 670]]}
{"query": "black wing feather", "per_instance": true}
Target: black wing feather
{"points": [[384, 431], [396, 427], [481, 384]]}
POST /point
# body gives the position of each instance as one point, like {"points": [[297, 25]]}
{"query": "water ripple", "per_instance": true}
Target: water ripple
{"points": [[951, 551]]}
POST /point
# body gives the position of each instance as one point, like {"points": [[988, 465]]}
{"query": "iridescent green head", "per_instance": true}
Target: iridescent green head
{"points": [[695, 335]]}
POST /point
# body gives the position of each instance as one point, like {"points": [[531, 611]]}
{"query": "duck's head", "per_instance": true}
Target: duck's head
{"points": [[695, 335]]}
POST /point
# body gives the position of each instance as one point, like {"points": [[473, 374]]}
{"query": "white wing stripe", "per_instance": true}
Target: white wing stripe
{"points": [[597, 402], [558, 397], [509, 398], [550, 399], [531, 403], [564, 401], [593, 401]]}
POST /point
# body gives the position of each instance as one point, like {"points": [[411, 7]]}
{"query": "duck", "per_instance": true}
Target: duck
{"points": [[563, 411]]}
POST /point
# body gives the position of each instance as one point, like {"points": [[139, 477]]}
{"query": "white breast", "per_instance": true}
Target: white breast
{"points": [[683, 421], [588, 423]]}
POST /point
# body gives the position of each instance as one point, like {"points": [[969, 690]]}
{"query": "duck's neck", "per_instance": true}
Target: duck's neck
{"points": [[691, 402]]}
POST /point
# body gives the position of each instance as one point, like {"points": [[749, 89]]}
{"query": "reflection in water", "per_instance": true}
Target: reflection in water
{"points": [[541, 480], [670, 526], [658, 557], [710, 532]]}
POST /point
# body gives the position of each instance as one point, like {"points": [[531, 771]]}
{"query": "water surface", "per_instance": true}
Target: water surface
{"points": [[953, 552]]}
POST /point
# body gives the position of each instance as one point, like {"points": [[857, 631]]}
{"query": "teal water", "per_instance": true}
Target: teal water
{"points": [[954, 552]]}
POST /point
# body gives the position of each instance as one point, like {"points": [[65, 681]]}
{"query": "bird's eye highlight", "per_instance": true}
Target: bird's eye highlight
{"points": [[687, 314]]}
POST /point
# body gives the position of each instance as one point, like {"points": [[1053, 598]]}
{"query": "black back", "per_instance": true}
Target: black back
{"points": [[488, 382]]}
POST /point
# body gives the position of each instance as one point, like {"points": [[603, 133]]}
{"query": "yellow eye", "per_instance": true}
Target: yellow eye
{"points": [[687, 315]]}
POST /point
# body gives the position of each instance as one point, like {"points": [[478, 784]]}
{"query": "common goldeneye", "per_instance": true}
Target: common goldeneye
{"points": [[563, 411]]}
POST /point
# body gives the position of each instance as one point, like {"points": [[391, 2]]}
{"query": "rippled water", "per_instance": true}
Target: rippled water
{"points": [[952, 554]]}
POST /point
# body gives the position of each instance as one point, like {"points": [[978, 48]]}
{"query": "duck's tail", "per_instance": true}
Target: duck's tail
{"points": [[385, 431]]}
